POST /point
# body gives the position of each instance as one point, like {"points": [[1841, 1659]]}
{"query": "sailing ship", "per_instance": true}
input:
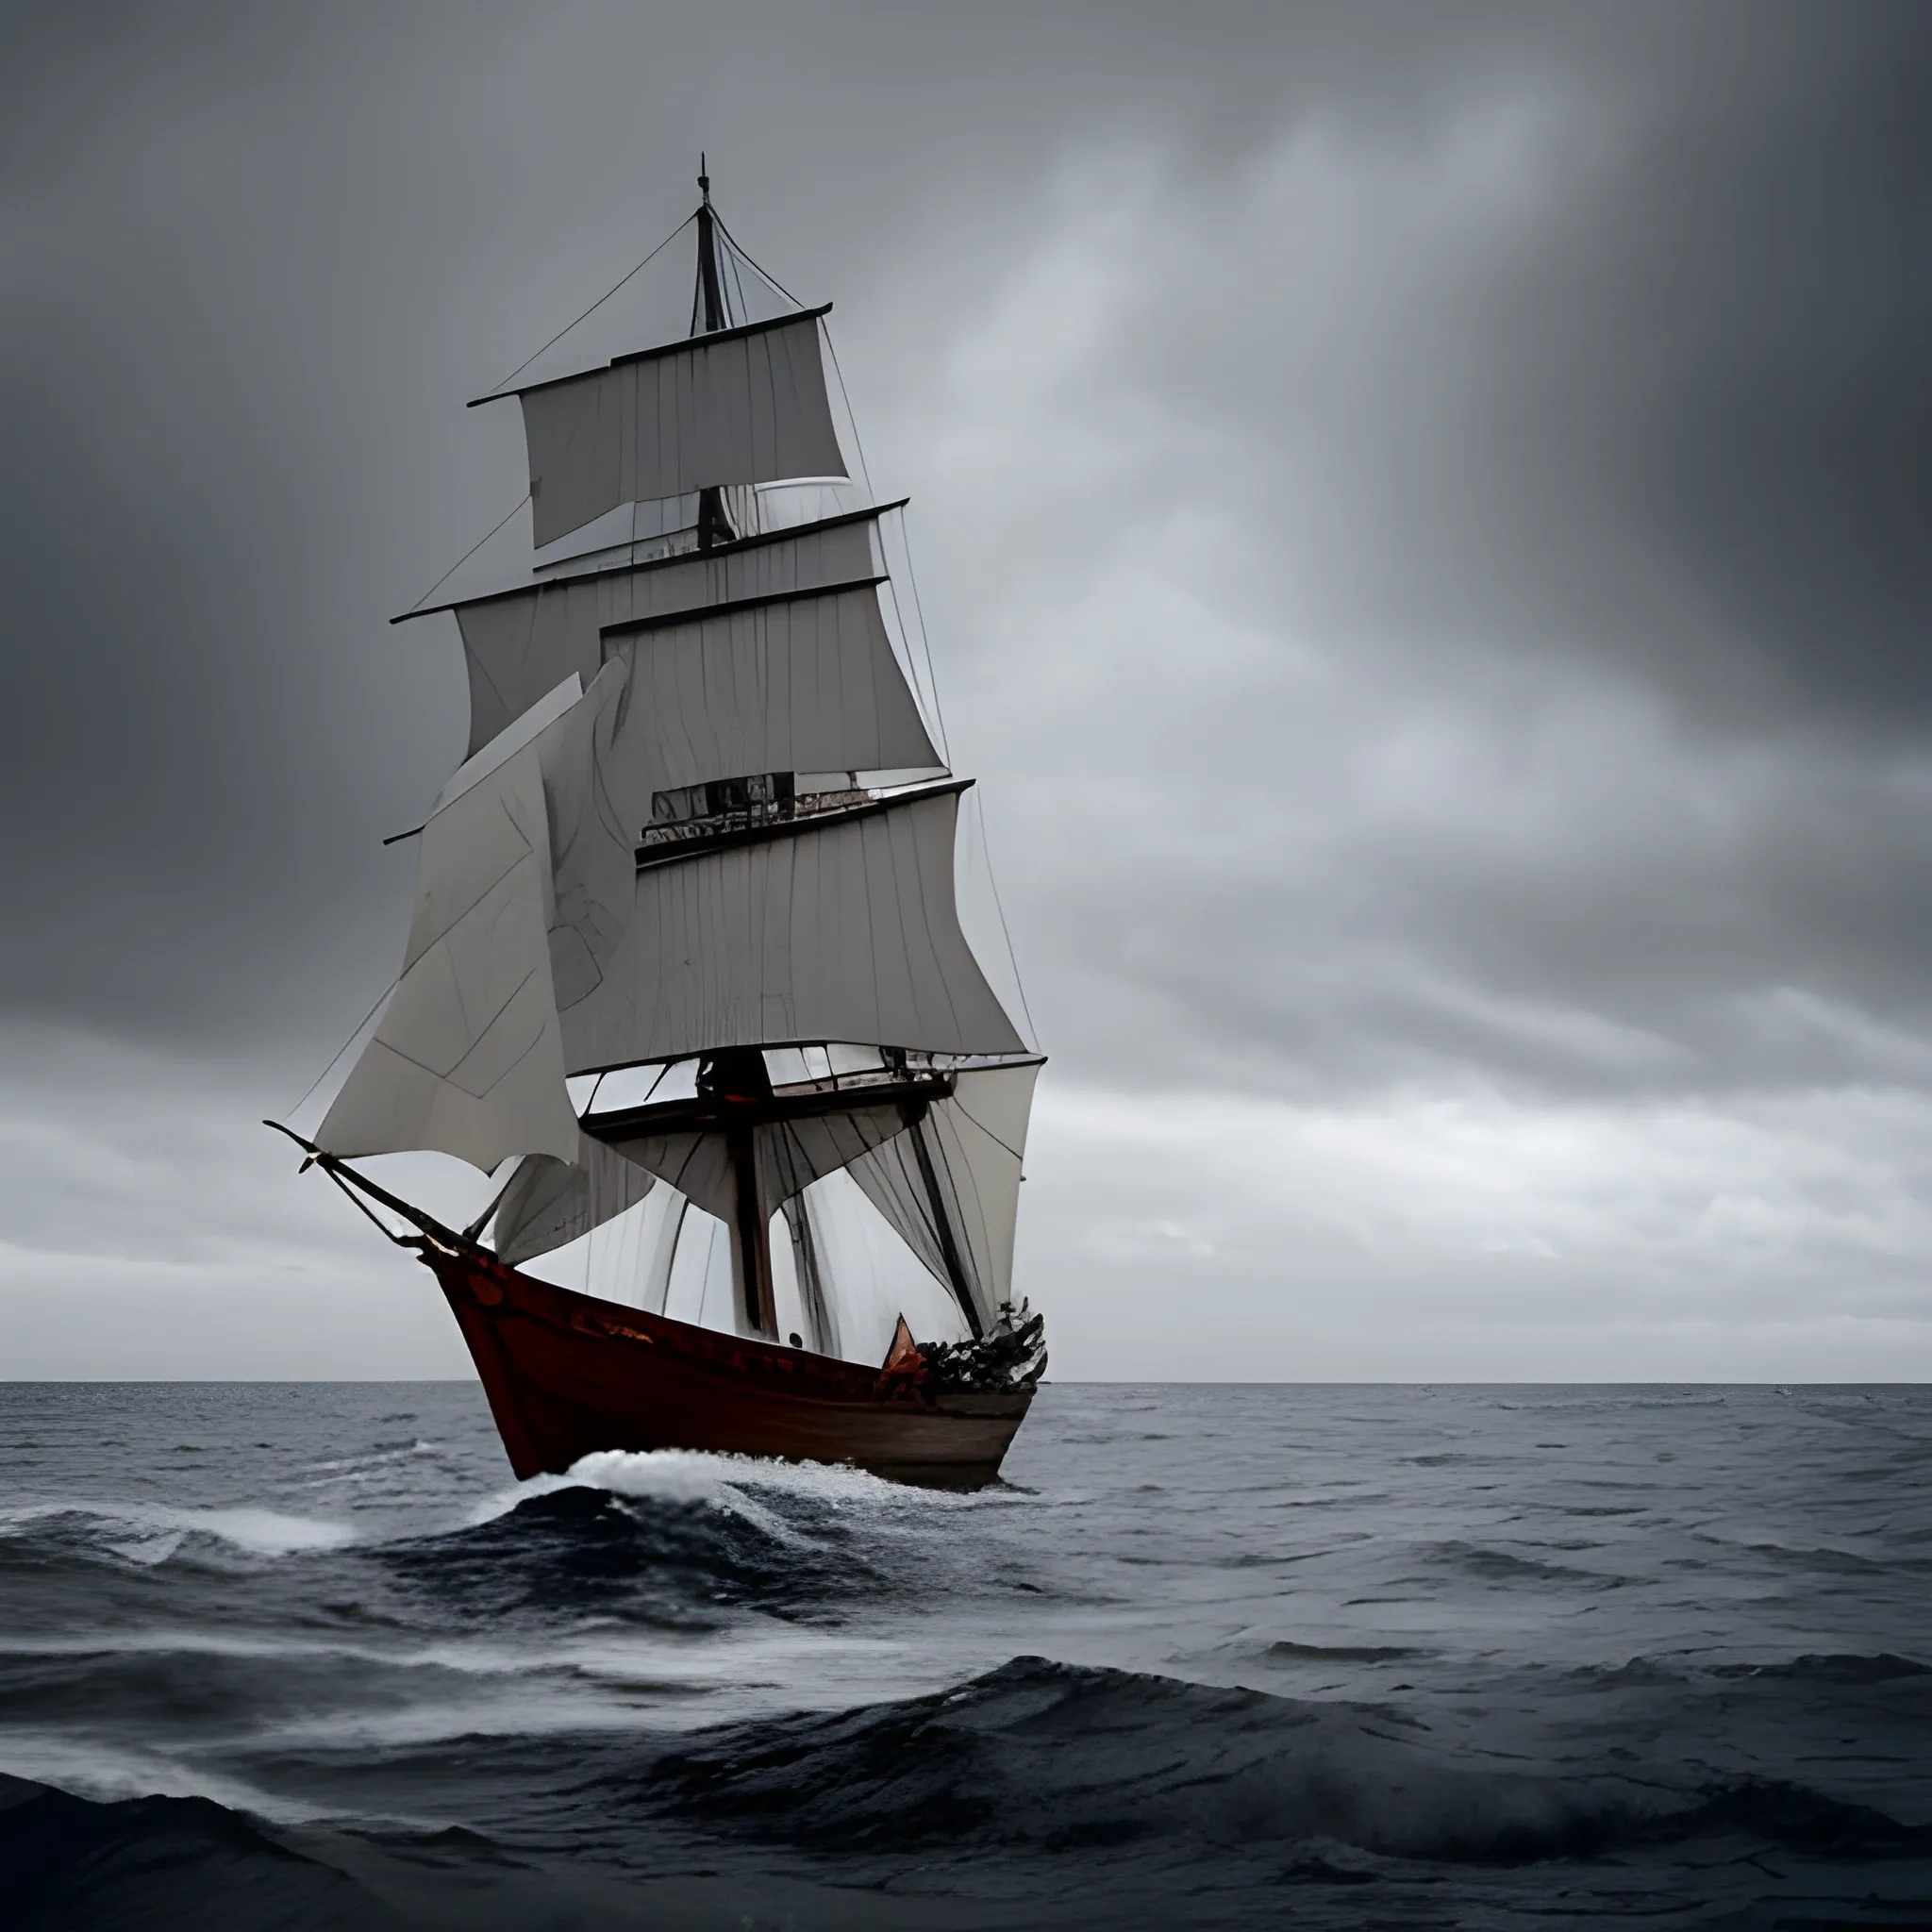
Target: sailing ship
{"points": [[704, 837]]}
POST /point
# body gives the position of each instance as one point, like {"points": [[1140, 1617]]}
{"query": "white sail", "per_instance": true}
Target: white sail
{"points": [[744, 405], [842, 930], [523, 644], [975, 1145], [791, 1155], [817, 1309], [807, 683], [468, 1058], [551, 1202]]}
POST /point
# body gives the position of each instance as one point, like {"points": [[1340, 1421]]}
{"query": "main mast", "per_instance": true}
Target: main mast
{"points": [[738, 1076], [737, 1081], [714, 525]]}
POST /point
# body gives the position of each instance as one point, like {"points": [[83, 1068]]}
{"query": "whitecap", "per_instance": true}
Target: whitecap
{"points": [[151, 1533], [720, 1482]]}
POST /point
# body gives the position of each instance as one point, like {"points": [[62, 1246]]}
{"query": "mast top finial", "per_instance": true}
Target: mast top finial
{"points": [[703, 178]]}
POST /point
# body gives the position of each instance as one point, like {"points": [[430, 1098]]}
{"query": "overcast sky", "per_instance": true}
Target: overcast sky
{"points": [[1422, 524]]}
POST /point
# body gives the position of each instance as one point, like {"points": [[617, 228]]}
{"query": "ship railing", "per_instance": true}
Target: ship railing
{"points": [[766, 812], [864, 1080]]}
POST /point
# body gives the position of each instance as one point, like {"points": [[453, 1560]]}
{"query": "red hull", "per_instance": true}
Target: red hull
{"points": [[567, 1373]]}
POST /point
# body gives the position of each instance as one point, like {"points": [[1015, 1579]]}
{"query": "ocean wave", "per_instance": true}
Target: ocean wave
{"points": [[1617, 1399], [1062, 1757], [1635, 1674], [746, 1485], [637, 1532], [149, 1534], [229, 1692], [1834, 1666], [68, 1861], [1826, 1560], [1285, 1651], [155, 1863], [670, 1540], [588, 1551], [724, 1529], [1491, 1565]]}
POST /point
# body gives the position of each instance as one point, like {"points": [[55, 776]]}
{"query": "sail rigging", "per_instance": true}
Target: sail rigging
{"points": [[952, 1182], [702, 818], [520, 644]]}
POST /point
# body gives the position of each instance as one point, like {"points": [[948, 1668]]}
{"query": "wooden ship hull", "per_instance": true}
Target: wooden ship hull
{"points": [[567, 1375]]}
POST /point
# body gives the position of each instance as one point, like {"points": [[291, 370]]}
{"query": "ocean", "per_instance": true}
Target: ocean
{"points": [[303, 1656]]}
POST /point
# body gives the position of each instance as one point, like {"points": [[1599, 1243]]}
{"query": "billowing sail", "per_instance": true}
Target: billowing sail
{"points": [[791, 1154], [550, 1202], [740, 405], [842, 928], [468, 1058], [803, 684], [968, 1152], [806, 682], [522, 644], [816, 1307]]}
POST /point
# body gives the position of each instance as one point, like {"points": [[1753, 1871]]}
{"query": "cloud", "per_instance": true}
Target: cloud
{"points": [[150, 1227], [1474, 1237], [1375, 728], [1418, 510]]}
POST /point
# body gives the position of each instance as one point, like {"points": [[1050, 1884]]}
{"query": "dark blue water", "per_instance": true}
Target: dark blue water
{"points": [[304, 1656]]}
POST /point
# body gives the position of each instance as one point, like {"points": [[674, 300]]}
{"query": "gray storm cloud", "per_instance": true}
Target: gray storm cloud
{"points": [[1420, 519]]}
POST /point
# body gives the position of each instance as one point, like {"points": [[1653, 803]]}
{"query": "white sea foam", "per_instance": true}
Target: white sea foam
{"points": [[150, 1533], [728, 1483], [268, 1532], [362, 1468], [105, 1774]]}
